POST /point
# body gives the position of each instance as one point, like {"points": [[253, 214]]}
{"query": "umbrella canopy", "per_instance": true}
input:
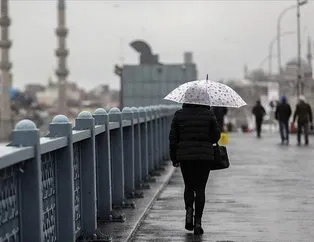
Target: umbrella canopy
{"points": [[206, 92]]}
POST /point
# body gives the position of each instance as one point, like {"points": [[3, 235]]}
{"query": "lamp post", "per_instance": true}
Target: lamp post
{"points": [[283, 12], [260, 66], [270, 48], [279, 34], [299, 81]]}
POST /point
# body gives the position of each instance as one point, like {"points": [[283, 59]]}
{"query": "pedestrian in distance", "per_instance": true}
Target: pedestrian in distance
{"points": [[259, 112], [194, 130], [282, 114], [303, 115]]}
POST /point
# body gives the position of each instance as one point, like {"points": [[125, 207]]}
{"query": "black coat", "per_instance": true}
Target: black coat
{"points": [[303, 112], [258, 111], [283, 112], [194, 130]]}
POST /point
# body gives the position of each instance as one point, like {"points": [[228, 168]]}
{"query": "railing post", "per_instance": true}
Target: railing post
{"points": [[144, 143], [103, 166], [61, 127], [160, 158], [155, 128], [167, 130], [150, 139], [155, 172], [165, 134], [27, 134], [85, 121], [150, 143], [168, 123], [137, 149], [160, 137], [117, 162], [128, 151], [161, 130]]}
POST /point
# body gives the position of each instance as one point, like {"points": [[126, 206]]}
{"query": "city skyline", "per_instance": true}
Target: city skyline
{"points": [[221, 35]]}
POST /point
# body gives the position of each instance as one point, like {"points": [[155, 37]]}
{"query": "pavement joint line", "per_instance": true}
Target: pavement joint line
{"points": [[150, 204]]}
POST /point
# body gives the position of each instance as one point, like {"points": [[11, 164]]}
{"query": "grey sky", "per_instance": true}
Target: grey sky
{"points": [[222, 34]]}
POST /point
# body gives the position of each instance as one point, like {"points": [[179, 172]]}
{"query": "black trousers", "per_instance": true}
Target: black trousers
{"points": [[303, 126], [195, 176], [284, 130], [258, 123]]}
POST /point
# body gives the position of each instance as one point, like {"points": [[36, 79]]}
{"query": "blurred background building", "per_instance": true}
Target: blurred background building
{"points": [[148, 82]]}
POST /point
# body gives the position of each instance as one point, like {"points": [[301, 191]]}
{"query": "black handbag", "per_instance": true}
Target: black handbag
{"points": [[221, 159]]}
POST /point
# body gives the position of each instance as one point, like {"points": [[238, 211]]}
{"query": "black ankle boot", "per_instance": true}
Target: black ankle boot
{"points": [[198, 226], [189, 219]]}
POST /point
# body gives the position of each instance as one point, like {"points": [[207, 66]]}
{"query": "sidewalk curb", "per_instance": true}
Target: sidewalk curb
{"points": [[150, 204]]}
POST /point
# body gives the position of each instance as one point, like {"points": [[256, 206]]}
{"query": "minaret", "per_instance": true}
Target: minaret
{"points": [[309, 51], [62, 53], [5, 75]]}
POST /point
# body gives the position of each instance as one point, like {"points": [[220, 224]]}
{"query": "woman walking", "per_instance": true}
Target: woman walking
{"points": [[194, 130]]}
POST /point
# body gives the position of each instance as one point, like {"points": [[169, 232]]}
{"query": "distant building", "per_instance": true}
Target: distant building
{"points": [[289, 76], [150, 81], [31, 90], [50, 95], [101, 94], [114, 98], [287, 79], [290, 73], [288, 82]]}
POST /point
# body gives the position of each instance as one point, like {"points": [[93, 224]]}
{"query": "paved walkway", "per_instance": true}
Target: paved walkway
{"points": [[121, 232], [266, 195]]}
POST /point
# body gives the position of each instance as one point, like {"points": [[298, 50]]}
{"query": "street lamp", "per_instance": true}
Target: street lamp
{"points": [[299, 81], [260, 66], [283, 12], [299, 3], [279, 34], [270, 48]]}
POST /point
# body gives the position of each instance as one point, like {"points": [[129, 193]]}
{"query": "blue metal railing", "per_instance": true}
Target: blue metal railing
{"points": [[54, 188]]}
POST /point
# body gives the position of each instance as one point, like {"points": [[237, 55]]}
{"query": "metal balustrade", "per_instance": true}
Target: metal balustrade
{"points": [[55, 188]]}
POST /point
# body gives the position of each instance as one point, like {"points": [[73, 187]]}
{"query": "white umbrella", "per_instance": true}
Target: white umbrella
{"points": [[206, 92]]}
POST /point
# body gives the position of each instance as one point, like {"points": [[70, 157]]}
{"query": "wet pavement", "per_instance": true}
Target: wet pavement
{"points": [[266, 195], [122, 231]]}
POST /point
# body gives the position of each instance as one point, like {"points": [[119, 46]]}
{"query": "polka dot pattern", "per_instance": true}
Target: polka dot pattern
{"points": [[206, 92]]}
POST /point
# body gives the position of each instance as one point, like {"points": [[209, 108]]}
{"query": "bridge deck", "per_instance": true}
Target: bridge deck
{"points": [[266, 195]]}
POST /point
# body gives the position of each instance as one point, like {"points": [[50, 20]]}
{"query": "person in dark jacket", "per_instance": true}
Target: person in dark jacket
{"points": [[259, 113], [283, 114], [220, 113], [194, 130], [303, 113]]}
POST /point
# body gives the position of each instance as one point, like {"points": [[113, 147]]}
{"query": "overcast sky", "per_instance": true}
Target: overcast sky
{"points": [[223, 35]]}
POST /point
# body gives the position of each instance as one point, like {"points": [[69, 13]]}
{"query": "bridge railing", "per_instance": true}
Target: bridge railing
{"points": [[55, 188]]}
